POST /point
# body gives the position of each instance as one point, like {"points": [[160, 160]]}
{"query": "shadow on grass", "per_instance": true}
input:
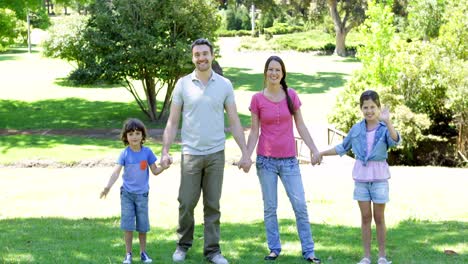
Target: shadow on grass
{"points": [[57, 240], [14, 53], [27, 142], [64, 82], [321, 82], [348, 59], [70, 113]]}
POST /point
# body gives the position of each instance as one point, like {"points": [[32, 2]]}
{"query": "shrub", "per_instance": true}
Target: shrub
{"points": [[283, 28], [66, 41]]}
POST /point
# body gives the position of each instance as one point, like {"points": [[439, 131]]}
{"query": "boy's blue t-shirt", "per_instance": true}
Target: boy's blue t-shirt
{"points": [[136, 169]]}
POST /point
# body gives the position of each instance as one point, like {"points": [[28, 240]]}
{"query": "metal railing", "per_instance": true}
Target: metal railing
{"points": [[332, 133], [334, 136]]}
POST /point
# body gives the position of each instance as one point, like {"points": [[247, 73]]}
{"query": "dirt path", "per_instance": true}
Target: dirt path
{"points": [[156, 134]]}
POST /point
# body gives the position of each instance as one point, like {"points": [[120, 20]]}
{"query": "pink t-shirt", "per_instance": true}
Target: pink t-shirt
{"points": [[276, 125], [374, 171]]}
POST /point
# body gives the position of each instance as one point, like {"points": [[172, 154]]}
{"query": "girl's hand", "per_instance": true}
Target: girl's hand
{"points": [[385, 114], [316, 158]]}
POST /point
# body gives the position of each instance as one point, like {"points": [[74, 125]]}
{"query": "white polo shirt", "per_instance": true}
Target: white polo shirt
{"points": [[203, 112]]}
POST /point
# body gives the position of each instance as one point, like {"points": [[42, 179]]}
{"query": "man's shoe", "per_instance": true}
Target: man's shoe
{"points": [[219, 259], [127, 259], [145, 258], [179, 255]]}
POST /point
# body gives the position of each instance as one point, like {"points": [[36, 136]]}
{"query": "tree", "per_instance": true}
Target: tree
{"points": [[35, 7], [346, 15], [376, 54], [425, 18], [10, 28], [453, 38], [149, 41]]}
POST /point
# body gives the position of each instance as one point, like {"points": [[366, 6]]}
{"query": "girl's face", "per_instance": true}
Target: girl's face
{"points": [[134, 138], [370, 110], [274, 73]]}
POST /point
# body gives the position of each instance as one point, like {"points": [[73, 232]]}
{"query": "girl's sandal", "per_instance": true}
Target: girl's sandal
{"points": [[364, 261], [383, 260]]}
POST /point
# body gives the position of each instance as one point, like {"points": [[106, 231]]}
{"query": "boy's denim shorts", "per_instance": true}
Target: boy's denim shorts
{"points": [[377, 192], [134, 211]]}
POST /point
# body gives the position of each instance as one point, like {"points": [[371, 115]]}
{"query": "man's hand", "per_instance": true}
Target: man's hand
{"points": [[166, 161], [244, 164]]}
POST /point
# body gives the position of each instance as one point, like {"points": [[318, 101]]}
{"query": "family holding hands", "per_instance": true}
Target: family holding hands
{"points": [[201, 98]]}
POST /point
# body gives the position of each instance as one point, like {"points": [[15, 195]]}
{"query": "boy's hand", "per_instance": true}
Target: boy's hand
{"points": [[104, 193], [164, 166]]}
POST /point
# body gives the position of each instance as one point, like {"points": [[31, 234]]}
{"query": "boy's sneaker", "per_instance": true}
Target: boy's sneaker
{"points": [[128, 259], [219, 259], [179, 255], [145, 258], [383, 260]]}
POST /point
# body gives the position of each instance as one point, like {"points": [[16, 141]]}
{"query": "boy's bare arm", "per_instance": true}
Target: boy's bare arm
{"points": [[112, 180], [157, 170]]}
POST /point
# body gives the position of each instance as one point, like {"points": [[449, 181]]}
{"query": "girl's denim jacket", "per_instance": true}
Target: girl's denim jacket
{"points": [[356, 140]]}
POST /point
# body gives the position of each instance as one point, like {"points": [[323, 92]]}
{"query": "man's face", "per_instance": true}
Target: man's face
{"points": [[202, 57]]}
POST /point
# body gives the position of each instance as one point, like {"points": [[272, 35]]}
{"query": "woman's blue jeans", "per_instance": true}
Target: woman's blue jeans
{"points": [[286, 169]]}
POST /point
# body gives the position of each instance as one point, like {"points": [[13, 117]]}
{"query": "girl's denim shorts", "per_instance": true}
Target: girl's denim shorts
{"points": [[377, 192]]}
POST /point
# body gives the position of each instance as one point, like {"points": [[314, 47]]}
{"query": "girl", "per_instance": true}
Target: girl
{"points": [[273, 110], [369, 140], [136, 159]]}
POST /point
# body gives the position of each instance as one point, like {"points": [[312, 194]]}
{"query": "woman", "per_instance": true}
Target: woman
{"points": [[272, 112]]}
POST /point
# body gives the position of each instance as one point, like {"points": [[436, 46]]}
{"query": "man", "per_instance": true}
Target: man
{"points": [[201, 98]]}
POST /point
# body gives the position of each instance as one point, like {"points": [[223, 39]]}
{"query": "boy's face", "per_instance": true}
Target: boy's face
{"points": [[134, 138], [202, 57]]}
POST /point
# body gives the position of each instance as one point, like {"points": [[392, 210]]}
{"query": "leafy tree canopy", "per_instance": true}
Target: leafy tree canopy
{"points": [[149, 40]]}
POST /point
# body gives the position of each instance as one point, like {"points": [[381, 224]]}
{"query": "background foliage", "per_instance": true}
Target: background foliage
{"points": [[422, 81]]}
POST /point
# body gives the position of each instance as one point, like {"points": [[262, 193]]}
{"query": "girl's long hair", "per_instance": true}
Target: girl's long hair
{"points": [[283, 83]]}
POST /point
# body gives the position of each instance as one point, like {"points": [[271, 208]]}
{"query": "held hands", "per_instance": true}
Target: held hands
{"points": [[164, 166], [315, 158], [166, 161], [244, 163]]}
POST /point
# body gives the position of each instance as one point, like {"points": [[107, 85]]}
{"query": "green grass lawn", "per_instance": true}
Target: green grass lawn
{"points": [[60, 240], [55, 216]]}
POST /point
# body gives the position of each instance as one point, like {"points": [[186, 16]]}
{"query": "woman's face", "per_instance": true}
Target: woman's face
{"points": [[274, 73]]}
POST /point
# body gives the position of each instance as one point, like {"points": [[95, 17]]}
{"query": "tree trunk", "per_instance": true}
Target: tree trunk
{"points": [[462, 140], [340, 28], [168, 98], [340, 48], [150, 91]]}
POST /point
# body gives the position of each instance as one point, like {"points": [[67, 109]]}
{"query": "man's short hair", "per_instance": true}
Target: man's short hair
{"points": [[203, 41]]}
